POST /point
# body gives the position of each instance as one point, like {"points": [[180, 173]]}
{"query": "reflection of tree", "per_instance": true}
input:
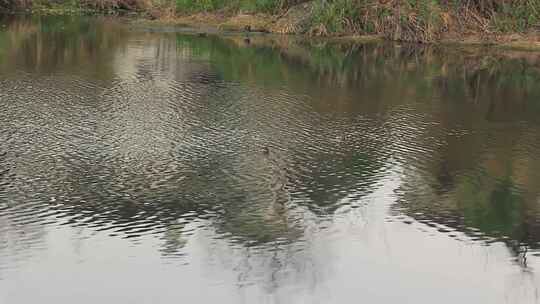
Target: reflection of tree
{"points": [[176, 134], [18, 228], [52, 44], [484, 180], [477, 91]]}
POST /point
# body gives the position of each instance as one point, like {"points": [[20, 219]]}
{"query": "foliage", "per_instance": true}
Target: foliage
{"points": [[517, 15], [334, 16], [190, 6], [423, 21], [411, 20], [406, 20]]}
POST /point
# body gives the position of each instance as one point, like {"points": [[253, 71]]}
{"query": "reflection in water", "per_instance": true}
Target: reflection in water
{"points": [[278, 171]]}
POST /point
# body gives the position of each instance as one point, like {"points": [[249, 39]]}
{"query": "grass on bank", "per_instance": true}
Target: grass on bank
{"points": [[407, 20], [422, 20], [425, 20], [266, 6]]}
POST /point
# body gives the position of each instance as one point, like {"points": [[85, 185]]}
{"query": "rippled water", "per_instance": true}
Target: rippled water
{"points": [[157, 166]]}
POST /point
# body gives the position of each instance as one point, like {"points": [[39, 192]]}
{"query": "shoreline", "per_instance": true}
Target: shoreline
{"points": [[220, 23], [210, 23]]}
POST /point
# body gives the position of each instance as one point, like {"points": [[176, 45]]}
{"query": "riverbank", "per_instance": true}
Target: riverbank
{"points": [[514, 25], [264, 23]]}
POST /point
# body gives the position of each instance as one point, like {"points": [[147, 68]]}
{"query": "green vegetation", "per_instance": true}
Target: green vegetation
{"points": [[406, 20], [163, 6], [191, 6], [421, 20]]}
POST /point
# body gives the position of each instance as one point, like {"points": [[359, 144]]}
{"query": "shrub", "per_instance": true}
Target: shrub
{"points": [[334, 16]]}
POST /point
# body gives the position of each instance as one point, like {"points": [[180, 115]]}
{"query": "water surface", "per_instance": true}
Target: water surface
{"points": [[148, 166]]}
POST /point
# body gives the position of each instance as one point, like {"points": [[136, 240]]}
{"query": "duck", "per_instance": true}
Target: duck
{"points": [[247, 30]]}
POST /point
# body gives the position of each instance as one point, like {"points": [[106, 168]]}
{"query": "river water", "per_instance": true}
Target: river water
{"points": [[156, 165]]}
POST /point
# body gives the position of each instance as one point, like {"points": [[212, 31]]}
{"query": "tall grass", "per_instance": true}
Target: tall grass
{"points": [[12, 4], [517, 15], [424, 20], [267, 6], [419, 20], [407, 20], [335, 16], [95, 5]]}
